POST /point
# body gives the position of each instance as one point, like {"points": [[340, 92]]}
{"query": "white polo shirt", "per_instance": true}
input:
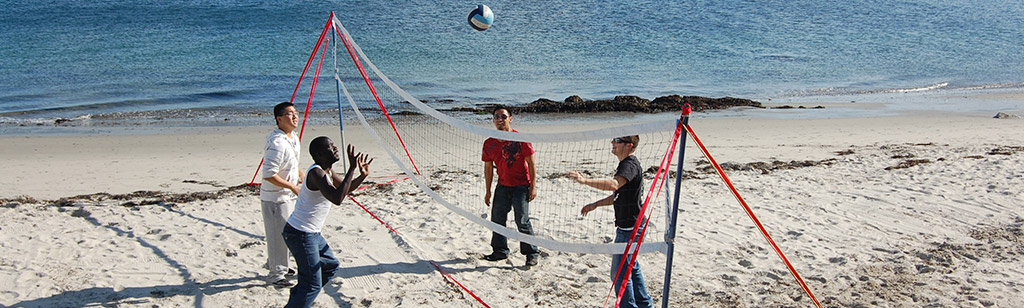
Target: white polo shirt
{"points": [[280, 157]]}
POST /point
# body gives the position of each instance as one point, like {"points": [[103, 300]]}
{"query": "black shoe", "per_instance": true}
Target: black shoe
{"points": [[531, 260], [283, 283], [290, 273], [495, 257]]}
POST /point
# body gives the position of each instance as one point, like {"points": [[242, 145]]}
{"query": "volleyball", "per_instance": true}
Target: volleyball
{"points": [[481, 18]]}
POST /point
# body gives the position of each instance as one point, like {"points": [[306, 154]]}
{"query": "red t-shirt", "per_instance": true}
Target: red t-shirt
{"points": [[510, 159]]}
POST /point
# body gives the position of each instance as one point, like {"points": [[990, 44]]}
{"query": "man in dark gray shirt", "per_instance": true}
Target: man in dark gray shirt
{"points": [[627, 187]]}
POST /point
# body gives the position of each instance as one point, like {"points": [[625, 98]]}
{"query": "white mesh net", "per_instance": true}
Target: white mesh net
{"points": [[442, 155]]}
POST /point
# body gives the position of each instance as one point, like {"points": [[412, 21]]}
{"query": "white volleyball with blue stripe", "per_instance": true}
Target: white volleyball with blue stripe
{"points": [[481, 18]]}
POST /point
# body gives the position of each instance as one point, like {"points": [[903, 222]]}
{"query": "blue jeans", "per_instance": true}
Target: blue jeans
{"points": [[316, 264], [516, 199], [636, 290]]}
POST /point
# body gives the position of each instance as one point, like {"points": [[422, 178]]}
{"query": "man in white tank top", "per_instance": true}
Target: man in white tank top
{"points": [[322, 189]]}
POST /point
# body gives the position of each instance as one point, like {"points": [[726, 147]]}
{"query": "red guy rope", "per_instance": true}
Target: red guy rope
{"points": [[446, 275], [750, 213], [366, 78], [371, 213]]}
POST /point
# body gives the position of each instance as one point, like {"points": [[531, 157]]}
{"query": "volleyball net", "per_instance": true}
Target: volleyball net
{"points": [[442, 155]]}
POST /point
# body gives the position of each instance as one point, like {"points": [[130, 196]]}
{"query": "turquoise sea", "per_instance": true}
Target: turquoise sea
{"points": [[221, 59]]}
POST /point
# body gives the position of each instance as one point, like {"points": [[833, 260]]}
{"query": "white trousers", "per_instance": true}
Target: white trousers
{"points": [[275, 216]]}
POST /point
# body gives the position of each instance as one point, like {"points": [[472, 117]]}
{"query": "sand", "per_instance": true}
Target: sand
{"points": [[902, 211]]}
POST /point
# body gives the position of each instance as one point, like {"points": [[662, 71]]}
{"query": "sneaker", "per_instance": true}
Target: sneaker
{"points": [[290, 273], [495, 257], [283, 283], [531, 260]]}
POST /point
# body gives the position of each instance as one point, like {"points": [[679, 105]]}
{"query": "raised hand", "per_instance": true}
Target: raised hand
{"points": [[576, 175], [364, 165], [587, 209], [352, 156]]}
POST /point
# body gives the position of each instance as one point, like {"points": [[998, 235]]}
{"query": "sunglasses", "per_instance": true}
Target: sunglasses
{"points": [[620, 140], [501, 116]]}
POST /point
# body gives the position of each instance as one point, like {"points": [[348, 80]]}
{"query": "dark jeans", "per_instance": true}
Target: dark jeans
{"points": [[516, 199], [636, 290], [316, 264]]}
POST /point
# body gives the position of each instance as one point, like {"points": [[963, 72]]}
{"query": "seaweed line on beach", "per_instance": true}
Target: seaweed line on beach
{"points": [[143, 197], [138, 198], [909, 159]]}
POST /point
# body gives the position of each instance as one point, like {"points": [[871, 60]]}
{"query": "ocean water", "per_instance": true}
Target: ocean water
{"points": [[222, 59]]}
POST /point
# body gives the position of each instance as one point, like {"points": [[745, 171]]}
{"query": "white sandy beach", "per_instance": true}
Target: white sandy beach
{"points": [[945, 232]]}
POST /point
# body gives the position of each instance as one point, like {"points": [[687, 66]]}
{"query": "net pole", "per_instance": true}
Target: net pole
{"points": [[337, 84], [641, 224], [341, 121], [670, 231]]}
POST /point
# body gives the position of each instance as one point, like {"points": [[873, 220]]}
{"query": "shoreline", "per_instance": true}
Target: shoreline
{"points": [[981, 101]]}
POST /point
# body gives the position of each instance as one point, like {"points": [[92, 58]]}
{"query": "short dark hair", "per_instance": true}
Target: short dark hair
{"points": [[279, 109], [500, 107], [318, 145], [634, 139]]}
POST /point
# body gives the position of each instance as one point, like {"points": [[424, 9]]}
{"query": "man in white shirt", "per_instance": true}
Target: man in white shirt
{"points": [[279, 190]]}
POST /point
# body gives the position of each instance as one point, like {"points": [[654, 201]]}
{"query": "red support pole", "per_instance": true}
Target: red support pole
{"points": [[312, 89], [312, 55]]}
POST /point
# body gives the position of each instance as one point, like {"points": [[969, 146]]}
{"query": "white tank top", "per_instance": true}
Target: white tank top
{"points": [[312, 207]]}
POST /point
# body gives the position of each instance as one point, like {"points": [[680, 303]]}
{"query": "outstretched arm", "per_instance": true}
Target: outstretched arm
{"points": [[593, 206], [608, 184]]}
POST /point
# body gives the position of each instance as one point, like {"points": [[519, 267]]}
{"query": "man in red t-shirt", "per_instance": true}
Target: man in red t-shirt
{"points": [[517, 183]]}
